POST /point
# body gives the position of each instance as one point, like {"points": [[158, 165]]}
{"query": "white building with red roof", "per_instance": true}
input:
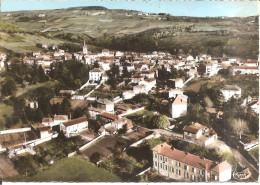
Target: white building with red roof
{"points": [[180, 165], [179, 106], [199, 134], [74, 126]]}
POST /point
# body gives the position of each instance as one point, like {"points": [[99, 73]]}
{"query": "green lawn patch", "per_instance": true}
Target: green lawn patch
{"points": [[5, 111], [73, 169], [255, 152]]}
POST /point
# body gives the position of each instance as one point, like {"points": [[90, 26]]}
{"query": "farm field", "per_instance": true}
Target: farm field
{"points": [[73, 169]]}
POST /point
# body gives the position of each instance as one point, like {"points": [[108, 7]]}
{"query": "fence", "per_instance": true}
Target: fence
{"points": [[72, 154], [15, 130], [39, 141], [144, 139], [91, 142]]}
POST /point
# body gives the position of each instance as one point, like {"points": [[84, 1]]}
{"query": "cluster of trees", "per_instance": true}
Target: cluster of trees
{"points": [[113, 76], [164, 75], [21, 72], [71, 74]]}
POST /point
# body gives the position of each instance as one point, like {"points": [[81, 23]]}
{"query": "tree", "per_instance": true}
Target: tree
{"points": [[95, 157], [160, 121], [238, 126], [8, 87]]}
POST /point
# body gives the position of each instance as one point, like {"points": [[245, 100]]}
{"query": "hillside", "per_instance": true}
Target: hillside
{"points": [[100, 25]]}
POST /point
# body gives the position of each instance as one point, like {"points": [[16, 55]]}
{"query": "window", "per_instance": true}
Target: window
{"points": [[192, 177], [165, 159], [201, 172], [186, 175], [160, 165], [161, 157], [215, 177], [155, 164], [171, 169], [178, 164], [178, 172], [166, 167], [193, 170], [186, 167], [154, 155], [172, 161]]}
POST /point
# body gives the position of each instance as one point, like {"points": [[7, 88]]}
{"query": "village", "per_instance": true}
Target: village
{"points": [[133, 99]]}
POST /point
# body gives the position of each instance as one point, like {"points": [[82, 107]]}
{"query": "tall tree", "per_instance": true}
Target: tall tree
{"points": [[238, 126]]}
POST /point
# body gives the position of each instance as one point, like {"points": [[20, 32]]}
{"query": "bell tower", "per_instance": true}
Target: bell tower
{"points": [[85, 49]]}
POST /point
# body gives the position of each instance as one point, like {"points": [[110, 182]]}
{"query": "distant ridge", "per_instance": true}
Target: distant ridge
{"points": [[88, 8]]}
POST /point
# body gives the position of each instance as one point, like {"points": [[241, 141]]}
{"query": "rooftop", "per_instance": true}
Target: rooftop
{"points": [[190, 159], [75, 121]]}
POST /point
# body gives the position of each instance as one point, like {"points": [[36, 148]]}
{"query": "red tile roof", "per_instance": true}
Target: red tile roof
{"points": [[150, 80], [44, 120], [75, 121], [190, 129], [109, 116], [60, 117], [179, 100], [190, 159]]}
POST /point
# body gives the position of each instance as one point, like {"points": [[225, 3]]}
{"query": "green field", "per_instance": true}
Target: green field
{"points": [[255, 152], [5, 110], [72, 169]]}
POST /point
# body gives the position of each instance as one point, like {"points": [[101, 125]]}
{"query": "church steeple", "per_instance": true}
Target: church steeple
{"points": [[85, 49]]}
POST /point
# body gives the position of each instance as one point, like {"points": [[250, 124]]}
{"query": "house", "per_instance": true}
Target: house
{"points": [[148, 74], [106, 105], [95, 74], [74, 126], [142, 88], [94, 112], [148, 83], [245, 70], [173, 93], [175, 83], [137, 78], [231, 91], [118, 124], [58, 119], [105, 117], [128, 94], [199, 134], [180, 165], [178, 107], [66, 92], [211, 68], [47, 122], [41, 130]]}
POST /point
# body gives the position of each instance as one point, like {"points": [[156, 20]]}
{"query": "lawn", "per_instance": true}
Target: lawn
{"points": [[5, 110], [73, 169], [255, 152]]}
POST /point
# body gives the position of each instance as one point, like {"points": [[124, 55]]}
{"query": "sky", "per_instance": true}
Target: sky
{"points": [[176, 7]]}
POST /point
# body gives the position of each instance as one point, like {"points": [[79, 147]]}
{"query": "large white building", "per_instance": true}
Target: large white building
{"points": [[72, 127], [179, 106], [95, 74], [180, 165], [231, 91]]}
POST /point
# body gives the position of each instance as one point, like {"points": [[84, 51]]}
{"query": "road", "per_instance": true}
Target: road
{"points": [[239, 158]]}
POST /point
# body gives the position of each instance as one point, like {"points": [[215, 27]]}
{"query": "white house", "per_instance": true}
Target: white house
{"points": [[105, 66], [231, 91], [95, 74], [128, 94], [74, 126], [173, 93], [212, 68], [106, 105], [58, 119], [176, 83], [178, 107]]}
